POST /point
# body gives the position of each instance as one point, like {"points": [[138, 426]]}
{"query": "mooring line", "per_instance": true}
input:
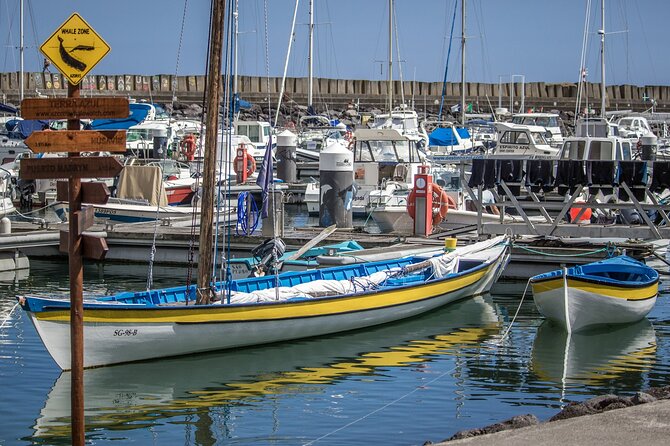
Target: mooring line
{"points": [[390, 403]]}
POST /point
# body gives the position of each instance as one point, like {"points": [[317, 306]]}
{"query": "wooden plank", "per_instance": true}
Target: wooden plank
{"points": [[74, 108], [77, 141], [74, 167], [92, 192], [92, 246], [85, 219]]}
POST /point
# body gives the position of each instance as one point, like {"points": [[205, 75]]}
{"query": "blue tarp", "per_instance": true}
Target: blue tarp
{"points": [[138, 113], [444, 136], [27, 126]]}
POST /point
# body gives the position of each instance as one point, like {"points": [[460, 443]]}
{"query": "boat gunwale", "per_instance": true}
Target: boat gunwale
{"points": [[46, 303], [595, 280], [115, 305]]}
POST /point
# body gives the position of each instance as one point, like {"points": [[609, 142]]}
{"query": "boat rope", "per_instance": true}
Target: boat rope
{"points": [[181, 41], [509, 327], [34, 211], [152, 252], [226, 131], [8, 316], [198, 183], [446, 68], [607, 248], [423, 386], [247, 209]]}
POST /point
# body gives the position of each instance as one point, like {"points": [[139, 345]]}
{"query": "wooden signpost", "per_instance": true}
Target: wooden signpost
{"points": [[75, 48], [70, 108], [84, 141]]}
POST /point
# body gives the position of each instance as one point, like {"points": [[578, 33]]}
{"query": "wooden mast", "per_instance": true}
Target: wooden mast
{"points": [[213, 99]]}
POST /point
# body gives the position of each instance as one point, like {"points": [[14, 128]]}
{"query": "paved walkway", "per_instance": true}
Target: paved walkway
{"points": [[647, 424]]}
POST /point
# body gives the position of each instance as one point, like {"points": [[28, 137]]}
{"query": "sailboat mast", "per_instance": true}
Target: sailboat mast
{"points": [[213, 99], [390, 73], [603, 90], [463, 62], [21, 86], [310, 61], [236, 35]]}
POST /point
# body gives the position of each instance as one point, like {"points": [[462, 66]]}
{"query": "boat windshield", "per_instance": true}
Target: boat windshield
{"points": [[601, 150], [538, 138], [386, 151], [573, 150], [139, 135], [542, 121]]}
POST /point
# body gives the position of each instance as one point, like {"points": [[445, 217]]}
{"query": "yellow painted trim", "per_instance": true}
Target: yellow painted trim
{"points": [[309, 308], [596, 288]]}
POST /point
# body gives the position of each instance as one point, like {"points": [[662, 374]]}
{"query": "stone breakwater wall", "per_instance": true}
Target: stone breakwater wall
{"points": [[338, 93]]}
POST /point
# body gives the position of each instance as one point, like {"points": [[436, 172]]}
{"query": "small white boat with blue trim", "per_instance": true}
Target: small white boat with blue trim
{"points": [[612, 291], [135, 326]]}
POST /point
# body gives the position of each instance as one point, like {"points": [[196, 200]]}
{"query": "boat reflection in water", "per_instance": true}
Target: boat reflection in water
{"points": [[609, 355], [130, 396]]}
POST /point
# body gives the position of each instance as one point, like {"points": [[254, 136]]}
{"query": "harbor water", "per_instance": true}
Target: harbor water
{"points": [[463, 366]]}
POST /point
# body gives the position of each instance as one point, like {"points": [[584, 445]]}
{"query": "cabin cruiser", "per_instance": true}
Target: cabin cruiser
{"points": [[317, 132], [446, 140], [596, 139], [523, 141], [259, 135], [405, 121], [634, 127], [550, 121]]}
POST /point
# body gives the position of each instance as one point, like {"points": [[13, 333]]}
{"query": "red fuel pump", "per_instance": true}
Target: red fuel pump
{"points": [[245, 165], [423, 201]]}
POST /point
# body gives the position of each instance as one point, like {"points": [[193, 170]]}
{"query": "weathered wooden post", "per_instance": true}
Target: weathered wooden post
{"points": [[75, 48]]}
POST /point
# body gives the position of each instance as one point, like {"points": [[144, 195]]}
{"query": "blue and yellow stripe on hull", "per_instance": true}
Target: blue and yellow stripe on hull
{"points": [[625, 291], [371, 300]]}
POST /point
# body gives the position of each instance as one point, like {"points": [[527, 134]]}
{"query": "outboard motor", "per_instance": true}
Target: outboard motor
{"points": [[268, 254], [26, 189]]}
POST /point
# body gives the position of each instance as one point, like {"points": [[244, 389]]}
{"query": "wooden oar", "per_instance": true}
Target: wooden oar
{"points": [[312, 243]]}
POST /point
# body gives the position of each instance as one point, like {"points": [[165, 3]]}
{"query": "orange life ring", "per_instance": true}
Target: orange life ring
{"points": [[251, 164], [442, 202], [188, 146]]}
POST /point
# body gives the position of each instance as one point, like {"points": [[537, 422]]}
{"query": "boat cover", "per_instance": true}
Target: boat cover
{"points": [[444, 136], [138, 113], [142, 183]]}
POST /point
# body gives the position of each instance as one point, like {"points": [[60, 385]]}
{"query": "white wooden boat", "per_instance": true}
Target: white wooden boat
{"points": [[134, 326], [612, 291], [263, 372]]}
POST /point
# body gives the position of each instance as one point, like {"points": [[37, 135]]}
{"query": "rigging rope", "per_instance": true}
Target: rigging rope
{"points": [[531, 250], [446, 67], [194, 214], [243, 214]]}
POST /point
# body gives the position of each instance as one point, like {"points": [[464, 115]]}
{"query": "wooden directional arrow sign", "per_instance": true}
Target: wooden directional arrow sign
{"points": [[77, 141], [92, 246], [92, 192], [75, 167], [74, 108]]}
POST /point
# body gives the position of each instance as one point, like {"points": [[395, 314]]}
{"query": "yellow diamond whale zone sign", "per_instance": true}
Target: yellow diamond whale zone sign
{"points": [[75, 48]]}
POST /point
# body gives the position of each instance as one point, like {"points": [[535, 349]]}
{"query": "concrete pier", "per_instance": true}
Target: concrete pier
{"points": [[646, 424]]}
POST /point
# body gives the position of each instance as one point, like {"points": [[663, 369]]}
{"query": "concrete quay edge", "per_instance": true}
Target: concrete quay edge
{"points": [[647, 424]]}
